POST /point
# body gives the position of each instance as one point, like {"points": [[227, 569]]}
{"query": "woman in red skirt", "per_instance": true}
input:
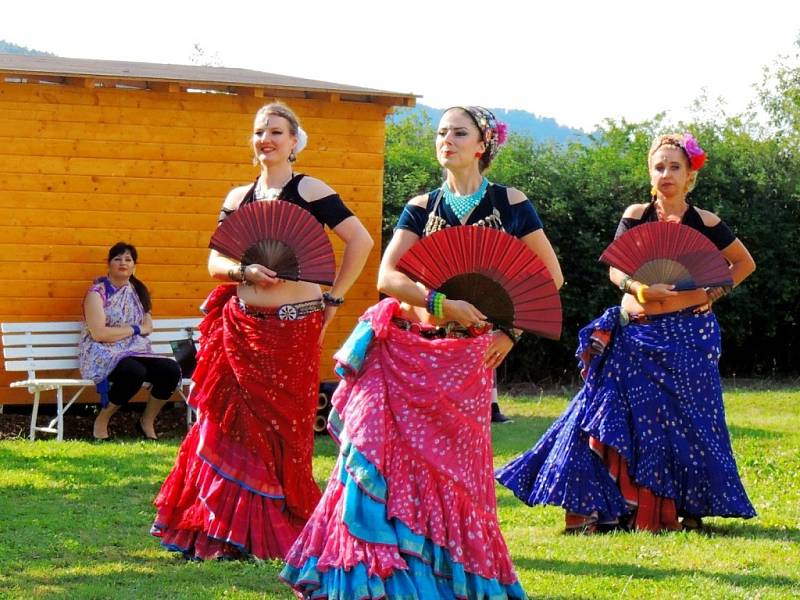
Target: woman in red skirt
{"points": [[242, 483]]}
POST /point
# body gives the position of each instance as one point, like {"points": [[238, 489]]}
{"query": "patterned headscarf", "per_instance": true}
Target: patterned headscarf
{"points": [[494, 132]]}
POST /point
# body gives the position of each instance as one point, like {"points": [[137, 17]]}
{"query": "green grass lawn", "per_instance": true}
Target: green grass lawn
{"points": [[74, 520]]}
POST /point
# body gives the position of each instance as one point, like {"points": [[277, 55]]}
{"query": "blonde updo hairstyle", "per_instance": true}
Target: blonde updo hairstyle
{"points": [[673, 140]]}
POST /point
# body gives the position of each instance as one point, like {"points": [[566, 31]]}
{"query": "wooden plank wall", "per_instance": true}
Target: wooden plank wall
{"points": [[82, 168]]}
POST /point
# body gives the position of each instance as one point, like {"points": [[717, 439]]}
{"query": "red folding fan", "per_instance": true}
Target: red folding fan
{"points": [[281, 236], [492, 270], [672, 253]]}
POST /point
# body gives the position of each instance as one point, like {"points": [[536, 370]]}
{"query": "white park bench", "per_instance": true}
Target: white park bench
{"points": [[40, 347]]}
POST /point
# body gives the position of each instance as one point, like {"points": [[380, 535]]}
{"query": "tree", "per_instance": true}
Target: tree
{"points": [[410, 166], [779, 92]]}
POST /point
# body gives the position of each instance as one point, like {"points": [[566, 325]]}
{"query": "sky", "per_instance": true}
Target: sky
{"points": [[577, 61]]}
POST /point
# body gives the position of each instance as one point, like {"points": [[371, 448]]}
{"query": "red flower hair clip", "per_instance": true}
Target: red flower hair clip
{"points": [[697, 156]]}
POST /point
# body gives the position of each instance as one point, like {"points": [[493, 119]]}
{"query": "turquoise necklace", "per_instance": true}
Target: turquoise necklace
{"points": [[463, 205]]}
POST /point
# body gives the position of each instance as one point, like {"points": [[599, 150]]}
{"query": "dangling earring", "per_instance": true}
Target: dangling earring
{"points": [[653, 191], [478, 154], [292, 156]]}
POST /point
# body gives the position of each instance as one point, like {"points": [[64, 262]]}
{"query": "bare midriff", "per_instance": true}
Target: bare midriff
{"points": [[672, 304], [278, 294]]}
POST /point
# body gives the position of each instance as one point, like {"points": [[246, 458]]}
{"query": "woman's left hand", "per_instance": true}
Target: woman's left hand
{"points": [[500, 346], [713, 294]]}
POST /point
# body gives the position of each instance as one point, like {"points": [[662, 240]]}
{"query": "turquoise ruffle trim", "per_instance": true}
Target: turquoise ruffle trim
{"points": [[419, 582], [350, 357], [431, 572]]}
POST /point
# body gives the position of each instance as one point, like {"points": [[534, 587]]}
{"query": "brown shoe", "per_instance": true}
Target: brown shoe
{"points": [[692, 523]]}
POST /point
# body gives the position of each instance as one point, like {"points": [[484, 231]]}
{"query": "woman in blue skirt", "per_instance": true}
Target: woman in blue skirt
{"points": [[645, 443]]}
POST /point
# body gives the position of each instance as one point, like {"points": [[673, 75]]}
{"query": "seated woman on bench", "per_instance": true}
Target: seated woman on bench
{"points": [[115, 351]]}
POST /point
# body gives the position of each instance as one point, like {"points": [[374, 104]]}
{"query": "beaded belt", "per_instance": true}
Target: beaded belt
{"points": [[645, 319], [450, 330], [284, 312]]}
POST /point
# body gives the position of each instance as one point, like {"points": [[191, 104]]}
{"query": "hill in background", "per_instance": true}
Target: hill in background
{"points": [[9, 48], [541, 129]]}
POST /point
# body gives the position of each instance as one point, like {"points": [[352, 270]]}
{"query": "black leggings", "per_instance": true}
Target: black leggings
{"points": [[127, 377]]}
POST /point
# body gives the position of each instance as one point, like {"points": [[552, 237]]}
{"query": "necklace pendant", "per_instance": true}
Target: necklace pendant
{"points": [[262, 192]]}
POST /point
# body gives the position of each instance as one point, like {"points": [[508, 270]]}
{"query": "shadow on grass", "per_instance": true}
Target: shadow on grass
{"points": [[750, 531], [737, 431], [635, 571], [173, 577], [519, 436], [509, 500]]}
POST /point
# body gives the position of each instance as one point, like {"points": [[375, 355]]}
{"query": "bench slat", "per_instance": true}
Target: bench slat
{"points": [[51, 382], [188, 322], [75, 326], [70, 326], [175, 334], [67, 382], [72, 339], [32, 364], [42, 339], [41, 352], [65, 351], [41, 326]]}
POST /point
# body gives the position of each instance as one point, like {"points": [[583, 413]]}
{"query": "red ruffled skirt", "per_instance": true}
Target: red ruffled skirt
{"points": [[242, 482], [649, 511]]}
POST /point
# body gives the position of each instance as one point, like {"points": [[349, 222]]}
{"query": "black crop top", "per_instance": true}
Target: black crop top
{"points": [[329, 210], [494, 210], [720, 234]]}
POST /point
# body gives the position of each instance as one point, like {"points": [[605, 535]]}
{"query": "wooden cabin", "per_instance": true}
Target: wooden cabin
{"points": [[94, 152]]}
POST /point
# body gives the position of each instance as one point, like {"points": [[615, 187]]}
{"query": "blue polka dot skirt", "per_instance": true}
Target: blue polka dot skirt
{"points": [[652, 392]]}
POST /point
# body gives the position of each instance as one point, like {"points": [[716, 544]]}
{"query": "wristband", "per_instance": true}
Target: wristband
{"points": [[438, 305], [640, 293], [509, 331], [434, 303], [236, 273], [429, 298], [332, 300], [136, 330]]}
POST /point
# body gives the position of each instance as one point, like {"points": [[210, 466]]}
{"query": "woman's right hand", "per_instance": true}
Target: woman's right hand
{"points": [[658, 292], [260, 275], [463, 312]]}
